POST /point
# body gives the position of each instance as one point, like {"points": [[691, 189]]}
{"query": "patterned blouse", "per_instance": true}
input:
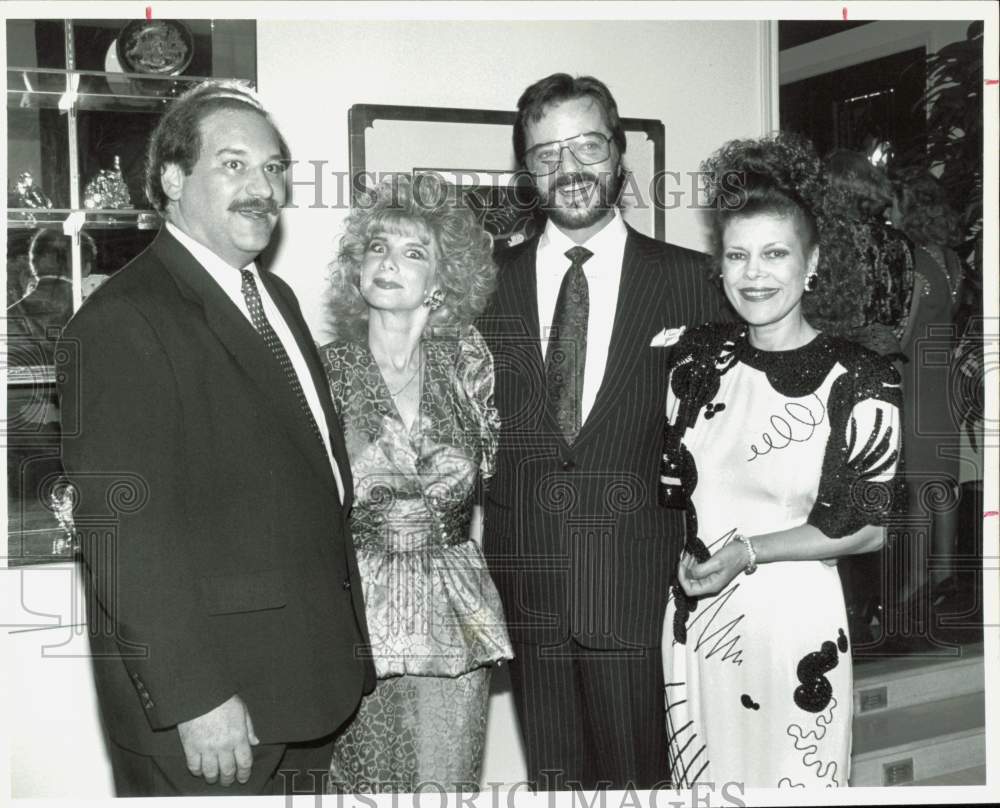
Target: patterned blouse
{"points": [[432, 607]]}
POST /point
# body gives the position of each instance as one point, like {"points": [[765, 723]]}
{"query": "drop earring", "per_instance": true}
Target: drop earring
{"points": [[434, 300]]}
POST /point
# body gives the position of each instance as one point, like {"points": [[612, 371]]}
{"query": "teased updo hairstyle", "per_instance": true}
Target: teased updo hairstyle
{"points": [[782, 175], [425, 206], [177, 137]]}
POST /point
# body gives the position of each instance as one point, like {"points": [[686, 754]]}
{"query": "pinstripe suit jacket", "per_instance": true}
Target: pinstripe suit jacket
{"points": [[574, 537]]}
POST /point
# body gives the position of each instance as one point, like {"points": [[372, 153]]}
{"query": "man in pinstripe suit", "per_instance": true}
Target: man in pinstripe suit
{"points": [[576, 542]]}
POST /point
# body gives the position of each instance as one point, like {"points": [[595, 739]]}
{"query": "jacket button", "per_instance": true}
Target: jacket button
{"points": [[346, 584], [568, 465]]}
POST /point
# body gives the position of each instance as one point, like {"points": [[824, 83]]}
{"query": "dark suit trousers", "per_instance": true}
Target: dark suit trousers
{"points": [[591, 718], [274, 766]]}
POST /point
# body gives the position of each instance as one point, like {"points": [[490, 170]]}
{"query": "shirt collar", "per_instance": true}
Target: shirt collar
{"points": [[609, 240], [217, 268]]}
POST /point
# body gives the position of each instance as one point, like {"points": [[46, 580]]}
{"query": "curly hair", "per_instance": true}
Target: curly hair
{"points": [[783, 175], [927, 216], [177, 137], [426, 205], [858, 190]]}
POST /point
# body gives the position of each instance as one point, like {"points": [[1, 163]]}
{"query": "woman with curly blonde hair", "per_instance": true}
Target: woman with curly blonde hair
{"points": [[781, 443], [413, 383]]}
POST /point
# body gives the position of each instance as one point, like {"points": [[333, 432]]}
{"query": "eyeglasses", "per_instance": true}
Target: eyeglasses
{"points": [[588, 148]]}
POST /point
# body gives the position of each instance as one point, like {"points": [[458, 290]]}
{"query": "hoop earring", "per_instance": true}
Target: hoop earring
{"points": [[812, 281], [434, 300]]}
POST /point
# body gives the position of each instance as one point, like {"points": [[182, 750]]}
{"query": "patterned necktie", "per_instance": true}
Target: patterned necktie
{"points": [[566, 356], [273, 342]]}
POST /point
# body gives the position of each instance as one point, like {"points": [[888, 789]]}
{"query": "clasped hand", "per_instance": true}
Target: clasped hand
{"points": [[712, 575], [217, 744]]}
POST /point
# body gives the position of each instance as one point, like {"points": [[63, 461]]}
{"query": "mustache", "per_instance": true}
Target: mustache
{"points": [[573, 178], [254, 205]]}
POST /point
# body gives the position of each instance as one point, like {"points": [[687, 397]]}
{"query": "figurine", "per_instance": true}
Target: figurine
{"points": [[28, 194], [107, 190]]}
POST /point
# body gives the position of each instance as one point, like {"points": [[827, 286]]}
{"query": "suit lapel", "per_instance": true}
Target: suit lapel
{"points": [[524, 299], [248, 350], [307, 347], [635, 315], [524, 331]]}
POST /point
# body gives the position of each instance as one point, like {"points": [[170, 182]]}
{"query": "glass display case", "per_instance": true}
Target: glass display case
{"points": [[83, 97]]}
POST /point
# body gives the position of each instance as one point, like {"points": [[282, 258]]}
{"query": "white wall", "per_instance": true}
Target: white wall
{"points": [[53, 729], [702, 79]]}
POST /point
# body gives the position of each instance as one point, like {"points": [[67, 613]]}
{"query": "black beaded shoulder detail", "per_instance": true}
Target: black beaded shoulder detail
{"points": [[701, 357], [694, 381], [797, 372], [849, 495], [678, 494], [875, 376]]}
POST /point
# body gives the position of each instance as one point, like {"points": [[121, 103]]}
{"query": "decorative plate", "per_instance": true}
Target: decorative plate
{"points": [[161, 47]]}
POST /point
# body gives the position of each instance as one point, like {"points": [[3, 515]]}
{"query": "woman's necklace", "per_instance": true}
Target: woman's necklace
{"points": [[402, 407], [408, 382]]}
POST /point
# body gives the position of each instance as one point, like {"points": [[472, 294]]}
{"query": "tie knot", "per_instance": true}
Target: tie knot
{"points": [[578, 255]]}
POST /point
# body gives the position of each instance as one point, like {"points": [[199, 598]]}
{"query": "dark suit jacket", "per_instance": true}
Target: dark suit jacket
{"points": [[219, 558], [574, 537]]}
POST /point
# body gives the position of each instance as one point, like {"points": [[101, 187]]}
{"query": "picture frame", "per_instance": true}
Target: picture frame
{"points": [[387, 139]]}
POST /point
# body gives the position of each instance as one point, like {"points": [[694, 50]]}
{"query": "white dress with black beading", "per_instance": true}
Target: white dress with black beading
{"points": [[758, 684]]}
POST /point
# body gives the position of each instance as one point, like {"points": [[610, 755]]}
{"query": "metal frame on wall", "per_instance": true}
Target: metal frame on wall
{"points": [[362, 117]]}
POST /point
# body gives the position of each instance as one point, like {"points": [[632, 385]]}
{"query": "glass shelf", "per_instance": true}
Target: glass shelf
{"points": [[112, 219], [72, 112], [43, 545], [35, 88], [27, 375]]}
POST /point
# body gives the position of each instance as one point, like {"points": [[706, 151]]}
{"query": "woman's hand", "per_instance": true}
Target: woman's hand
{"points": [[712, 576]]}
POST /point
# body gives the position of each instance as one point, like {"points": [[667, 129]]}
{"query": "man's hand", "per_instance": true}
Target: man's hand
{"points": [[217, 744]]}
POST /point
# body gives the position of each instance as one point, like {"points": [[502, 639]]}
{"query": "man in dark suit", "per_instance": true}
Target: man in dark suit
{"points": [[580, 551], [213, 485]]}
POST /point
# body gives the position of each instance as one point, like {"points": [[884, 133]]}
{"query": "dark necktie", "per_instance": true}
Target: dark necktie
{"points": [[566, 356], [273, 342]]}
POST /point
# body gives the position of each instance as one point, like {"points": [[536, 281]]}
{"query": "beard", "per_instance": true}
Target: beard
{"points": [[592, 206]]}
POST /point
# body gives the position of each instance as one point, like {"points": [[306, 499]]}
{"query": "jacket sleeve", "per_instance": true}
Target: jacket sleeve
{"points": [[123, 439]]}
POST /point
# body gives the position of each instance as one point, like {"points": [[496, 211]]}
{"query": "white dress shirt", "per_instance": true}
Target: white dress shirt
{"points": [[230, 281], [603, 271]]}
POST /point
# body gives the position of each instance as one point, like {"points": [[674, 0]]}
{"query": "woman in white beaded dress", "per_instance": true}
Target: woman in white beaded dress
{"points": [[781, 443], [413, 383]]}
